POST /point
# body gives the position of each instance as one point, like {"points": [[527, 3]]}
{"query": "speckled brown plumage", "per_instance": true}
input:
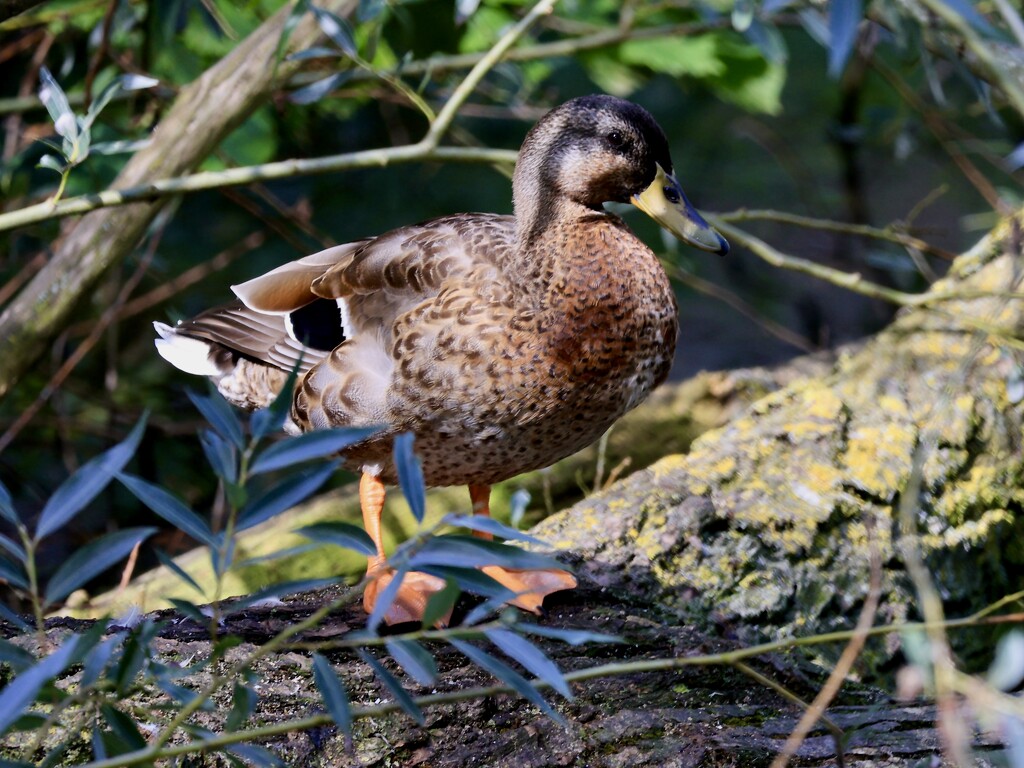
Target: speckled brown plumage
{"points": [[503, 343]]}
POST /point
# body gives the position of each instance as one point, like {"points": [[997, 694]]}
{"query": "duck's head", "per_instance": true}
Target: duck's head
{"points": [[598, 149]]}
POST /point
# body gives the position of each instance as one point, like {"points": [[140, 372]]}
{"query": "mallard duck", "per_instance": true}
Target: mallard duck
{"points": [[504, 343]]}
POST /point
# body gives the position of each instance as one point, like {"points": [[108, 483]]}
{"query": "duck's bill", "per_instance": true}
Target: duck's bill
{"points": [[665, 202]]}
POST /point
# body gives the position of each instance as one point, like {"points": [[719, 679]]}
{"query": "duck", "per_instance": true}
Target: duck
{"points": [[502, 343]]}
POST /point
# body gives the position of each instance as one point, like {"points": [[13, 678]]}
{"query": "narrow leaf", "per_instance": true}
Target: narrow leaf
{"points": [[414, 659], [440, 604], [190, 610], [168, 562], [843, 18], [312, 445], [21, 692], [285, 495], [91, 560], [52, 163], [7, 511], [506, 676], [243, 704], [215, 409], [123, 727], [56, 103], [271, 418], [520, 649], [489, 525], [570, 636], [12, 618], [317, 90], [72, 496], [472, 552], [1007, 670], [17, 658], [970, 14], [342, 534], [221, 455], [333, 693], [13, 573], [370, 9], [256, 755], [464, 9], [138, 82], [470, 580], [277, 590], [98, 658], [316, 52], [410, 475], [401, 695], [170, 508], [385, 599], [335, 28], [13, 548]]}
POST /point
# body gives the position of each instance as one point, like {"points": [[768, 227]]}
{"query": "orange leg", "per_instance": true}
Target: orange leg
{"points": [[416, 588], [530, 586]]}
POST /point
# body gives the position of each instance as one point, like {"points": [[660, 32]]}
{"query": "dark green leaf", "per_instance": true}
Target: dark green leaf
{"points": [[440, 604], [91, 560], [10, 616], [410, 475], [17, 658], [123, 727], [570, 636], [370, 9], [485, 609], [385, 599], [178, 571], [342, 534], [14, 548], [472, 552], [170, 508], [21, 692], [970, 14], [414, 659], [312, 445], [271, 418], [181, 694], [520, 649], [489, 525], [243, 704], [221, 455], [5, 763], [316, 52], [335, 28], [333, 693], [285, 495], [401, 695], [189, 609], [13, 573], [277, 590], [298, 10], [315, 91], [471, 580], [98, 659], [506, 676], [83, 486], [7, 511], [99, 748], [256, 755], [222, 418], [844, 16]]}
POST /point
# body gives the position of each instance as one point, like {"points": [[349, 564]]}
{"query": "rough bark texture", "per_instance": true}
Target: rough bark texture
{"points": [[204, 113]]}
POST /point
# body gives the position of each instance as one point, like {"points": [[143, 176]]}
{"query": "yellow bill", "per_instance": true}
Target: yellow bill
{"points": [[665, 202]]}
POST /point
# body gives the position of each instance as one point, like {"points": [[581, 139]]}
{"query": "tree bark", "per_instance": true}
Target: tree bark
{"points": [[204, 113]]}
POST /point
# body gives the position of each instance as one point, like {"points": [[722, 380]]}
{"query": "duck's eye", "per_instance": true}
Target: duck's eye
{"points": [[616, 139], [671, 194]]}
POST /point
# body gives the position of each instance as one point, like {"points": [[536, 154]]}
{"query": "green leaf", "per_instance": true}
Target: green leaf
{"points": [[472, 552], [168, 562], [7, 511], [17, 658], [91, 560], [312, 445], [271, 418], [410, 475], [342, 534], [316, 52], [333, 693], [190, 610], [13, 573], [243, 704], [489, 525], [221, 455], [317, 90], [844, 16], [441, 603], [370, 9], [695, 56], [750, 81], [520, 649], [13, 548], [506, 676], [98, 658], [335, 28], [56, 103], [277, 590], [570, 636], [123, 727], [72, 496], [256, 755], [401, 695], [385, 599], [285, 495], [414, 659], [170, 508], [21, 692], [215, 409], [12, 618]]}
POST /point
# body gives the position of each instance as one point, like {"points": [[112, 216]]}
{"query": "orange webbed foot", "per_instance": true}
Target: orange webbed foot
{"points": [[530, 586], [410, 602]]}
